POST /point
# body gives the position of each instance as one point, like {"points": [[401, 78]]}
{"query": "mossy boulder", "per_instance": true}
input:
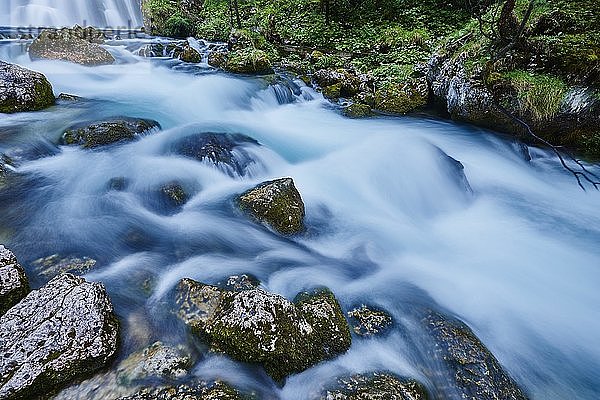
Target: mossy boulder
{"points": [[402, 98], [261, 327], [469, 370], [64, 330], [23, 90], [116, 130], [216, 391], [336, 83], [357, 110], [72, 45], [226, 151], [369, 321], [276, 203], [217, 59], [189, 54], [248, 61], [376, 386], [13, 281]]}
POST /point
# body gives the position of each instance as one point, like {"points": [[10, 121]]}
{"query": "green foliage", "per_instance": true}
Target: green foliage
{"points": [[178, 27], [538, 94]]}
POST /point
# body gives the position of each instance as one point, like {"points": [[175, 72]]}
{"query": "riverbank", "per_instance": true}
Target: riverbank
{"points": [[428, 55]]}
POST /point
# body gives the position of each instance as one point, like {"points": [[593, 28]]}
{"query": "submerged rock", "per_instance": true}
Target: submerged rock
{"points": [[260, 327], [469, 369], [368, 321], [277, 203], [13, 282], [56, 264], [376, 386], [216, 391], [61, 331], [70, 44], [23, 90], [174, 193], [225, 150], [241, 282], [120, 129]]}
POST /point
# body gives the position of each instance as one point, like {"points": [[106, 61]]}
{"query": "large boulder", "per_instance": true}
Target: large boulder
{"points": [[261, 327], [224, 150], [244, 61], [215, 391], [23, 90], [119, 129], [376, 386], [276, 203], [13, 282], [402, 98], [336, 83], [73, 45], [469, 370], [64, 330]]}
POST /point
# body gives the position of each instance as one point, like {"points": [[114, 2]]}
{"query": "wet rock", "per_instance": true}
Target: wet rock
{"points": [[248, 61], [336, 83], [260, 327], [155, 361], [225, 150], [13, 282], [216, 391], [276, 203], [237, 283], [7, 170], [189, 54], [68, 97], [62, 331], [174, 193], [402, 98], [368, 321], [357, 110], [23, 90], [217, 59], [469, 369], [70, 44], [171, 49], [54, 265], [120, 129], [376, 386]]}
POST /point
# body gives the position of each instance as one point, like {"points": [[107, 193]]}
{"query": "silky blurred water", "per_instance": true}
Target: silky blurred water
{"points": [[392, 222]]}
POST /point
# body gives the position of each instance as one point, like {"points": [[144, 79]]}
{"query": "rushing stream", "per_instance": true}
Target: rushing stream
{"points": [[391, 220]]}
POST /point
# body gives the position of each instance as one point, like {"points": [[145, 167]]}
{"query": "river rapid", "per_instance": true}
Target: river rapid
{"points": [[509, 244]]}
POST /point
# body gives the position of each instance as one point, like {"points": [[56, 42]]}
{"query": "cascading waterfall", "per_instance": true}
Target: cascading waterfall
{"points": [[58, 13]]}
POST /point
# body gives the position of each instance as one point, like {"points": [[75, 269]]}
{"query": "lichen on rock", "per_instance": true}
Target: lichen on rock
{"points": [[23, 90], [367, 321], [13, 282], [376, 386], [261, 327], [215, 391], [57, 264], [62, 331], [277, 203]]}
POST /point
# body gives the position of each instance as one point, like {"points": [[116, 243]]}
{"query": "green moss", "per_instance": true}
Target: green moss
{"points": [[402, 98], [357, 110], [248, 61], [538, 95], [178, 27]]}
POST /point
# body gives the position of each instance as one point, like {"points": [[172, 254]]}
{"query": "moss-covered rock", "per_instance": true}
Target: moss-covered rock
{"points": [[216, 391], [357, 110], [336, 83], [402, 98], [23, 90], [469, 370], [276, 203], [260, 327], [376, 386], [120, 129], [73, 45], [248, 61], [13, 282], [189, 54], [368, 321]]}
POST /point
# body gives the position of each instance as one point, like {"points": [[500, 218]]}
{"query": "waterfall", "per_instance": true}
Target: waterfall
{"points": [[99, 13]]}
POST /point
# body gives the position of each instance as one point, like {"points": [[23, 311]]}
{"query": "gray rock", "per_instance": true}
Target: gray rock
{"points": [[155, 361], [260, 327], [23, 90], [368, 321], [225, 150], [469, 370], [70, 44], [376, 386], [119, 129], [64, 330], [216, 391], [54, 265], [236, 283], [276, 203], [13, 282]]}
